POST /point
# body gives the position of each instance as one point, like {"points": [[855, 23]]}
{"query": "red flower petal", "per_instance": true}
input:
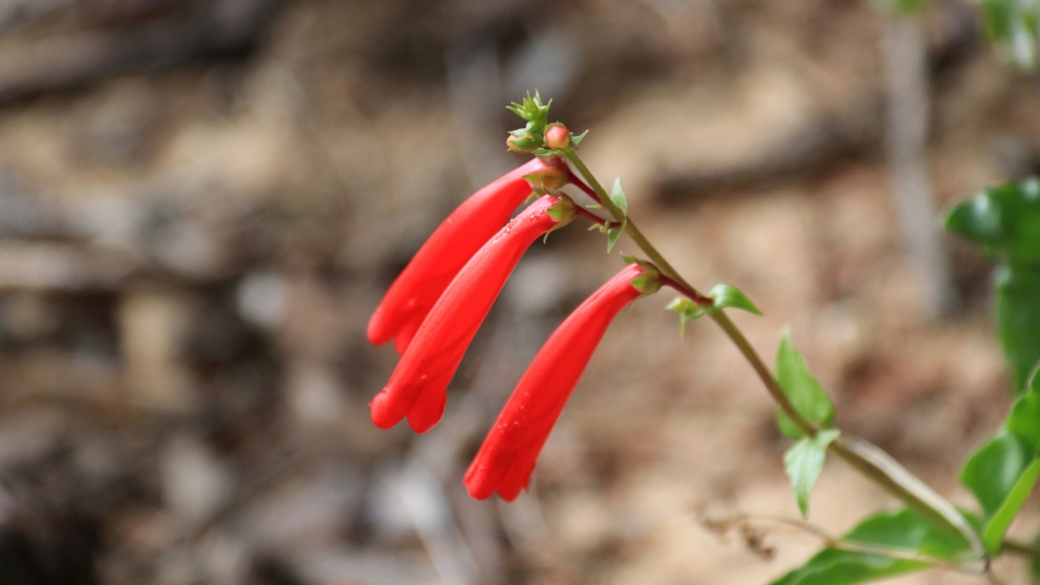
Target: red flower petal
{"points": [[417, 387], [447, 250], [507, 457]]}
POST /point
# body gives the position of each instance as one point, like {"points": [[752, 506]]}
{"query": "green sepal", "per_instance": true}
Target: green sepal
{"points": [[649, 282], [687, 310], [727, 296], [801, 388], [577, 138], [803, 463], [536, 113], [562, 211]]}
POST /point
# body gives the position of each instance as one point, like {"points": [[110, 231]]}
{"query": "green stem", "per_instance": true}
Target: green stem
{"points": [[1020, 549], [719, 317], [870, 461]]}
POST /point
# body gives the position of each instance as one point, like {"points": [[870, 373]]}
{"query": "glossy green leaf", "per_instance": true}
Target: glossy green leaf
{"points": [[992, 471], [904, 530], [1003, 472], [993, 534], [803, 463], [726, 296], [1004, 220], [1018, 317], [801, 388], [1024, 420]]}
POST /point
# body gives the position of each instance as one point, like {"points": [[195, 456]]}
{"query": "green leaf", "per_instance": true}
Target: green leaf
{"points": [[613, 233], [618, 197], [726, 296], [992, 471], [1004, 220], [801, 388], [1024, 420], [1003, 472], [1018, 317], [904, 530], [577, 138], [993, 534], [803, 463]]}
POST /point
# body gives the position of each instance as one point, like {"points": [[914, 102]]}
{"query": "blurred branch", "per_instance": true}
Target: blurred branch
{"points": [[906, 68]]}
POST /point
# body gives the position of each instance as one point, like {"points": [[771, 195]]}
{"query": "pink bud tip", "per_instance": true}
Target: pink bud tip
{"points": [[557, 137]]}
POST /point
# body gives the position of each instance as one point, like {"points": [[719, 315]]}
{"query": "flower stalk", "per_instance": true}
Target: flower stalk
{"points": [[858, 453]]}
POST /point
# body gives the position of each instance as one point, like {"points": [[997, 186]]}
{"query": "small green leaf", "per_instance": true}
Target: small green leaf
{"points": [[803, 463], [801, 388], [993, 534], [1004, 220], [1018, 317], [903, 530], [992, 471], [727, 296], [618, 197], [614, 233], [577, 138], [1024, 420], [1002, 473]]}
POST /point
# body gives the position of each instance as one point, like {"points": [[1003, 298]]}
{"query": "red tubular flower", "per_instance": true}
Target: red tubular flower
{"points": [[447, 250], [507, 457], [417, 387]]}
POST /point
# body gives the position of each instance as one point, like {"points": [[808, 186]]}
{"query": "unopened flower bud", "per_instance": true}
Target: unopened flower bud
{"points": [[520, 143], [557, 137]]}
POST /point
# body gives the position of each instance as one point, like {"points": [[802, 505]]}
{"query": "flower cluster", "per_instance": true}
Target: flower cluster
{"points": [[434, 308]]}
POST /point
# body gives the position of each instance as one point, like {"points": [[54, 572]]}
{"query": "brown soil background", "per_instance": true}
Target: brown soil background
{"points": [[201, 203]]}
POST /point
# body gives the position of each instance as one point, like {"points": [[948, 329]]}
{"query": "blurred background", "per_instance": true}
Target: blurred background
{"points": [[202, 201]]}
